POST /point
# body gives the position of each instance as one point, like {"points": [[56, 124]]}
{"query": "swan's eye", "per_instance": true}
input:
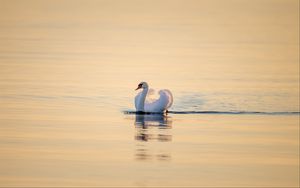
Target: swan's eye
{"points": [[140, 85]]}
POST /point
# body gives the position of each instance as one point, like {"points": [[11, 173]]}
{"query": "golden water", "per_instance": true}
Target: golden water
{"points": [[68, 70]]}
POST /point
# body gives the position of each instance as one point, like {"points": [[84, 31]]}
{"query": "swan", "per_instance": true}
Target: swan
{"points": [[143, 102]]}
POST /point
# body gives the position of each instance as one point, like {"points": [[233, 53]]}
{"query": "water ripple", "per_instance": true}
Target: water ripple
{"points": [[217, 112]]}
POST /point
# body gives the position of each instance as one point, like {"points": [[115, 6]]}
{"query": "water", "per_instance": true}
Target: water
{"points": [[68, 73]]}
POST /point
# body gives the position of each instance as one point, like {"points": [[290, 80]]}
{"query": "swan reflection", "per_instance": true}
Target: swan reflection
{"points": [[152, 128]]}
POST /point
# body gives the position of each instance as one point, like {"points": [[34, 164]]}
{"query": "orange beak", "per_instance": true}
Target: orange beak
{"points": [[139, 87]]}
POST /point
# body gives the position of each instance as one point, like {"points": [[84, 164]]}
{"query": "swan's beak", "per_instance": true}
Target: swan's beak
{"points": [[139, 87]]}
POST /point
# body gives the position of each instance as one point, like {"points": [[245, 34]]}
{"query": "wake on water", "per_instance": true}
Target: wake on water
{"points": [[215, 112]]}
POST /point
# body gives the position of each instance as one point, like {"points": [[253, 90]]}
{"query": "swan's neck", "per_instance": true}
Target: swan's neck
{"points": [[141, 102]]}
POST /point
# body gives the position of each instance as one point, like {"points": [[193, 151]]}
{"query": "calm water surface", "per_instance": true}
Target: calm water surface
{"points": [[68, 71]]}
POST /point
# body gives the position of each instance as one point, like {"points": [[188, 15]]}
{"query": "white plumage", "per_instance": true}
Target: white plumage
{"points": [[144, 101]]}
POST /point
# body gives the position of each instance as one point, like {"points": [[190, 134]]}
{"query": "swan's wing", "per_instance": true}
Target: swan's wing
{"points": [[162, 103], [151, 96], [169, 96]]}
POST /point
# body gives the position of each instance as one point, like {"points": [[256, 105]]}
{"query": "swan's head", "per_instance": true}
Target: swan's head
{"points": [[142, 85]]}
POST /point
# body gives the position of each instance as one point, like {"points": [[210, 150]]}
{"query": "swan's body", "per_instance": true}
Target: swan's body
{"points": [[160, 105]]}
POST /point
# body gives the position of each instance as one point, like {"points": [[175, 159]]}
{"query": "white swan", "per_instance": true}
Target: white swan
{"points": [[143, 103]]}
